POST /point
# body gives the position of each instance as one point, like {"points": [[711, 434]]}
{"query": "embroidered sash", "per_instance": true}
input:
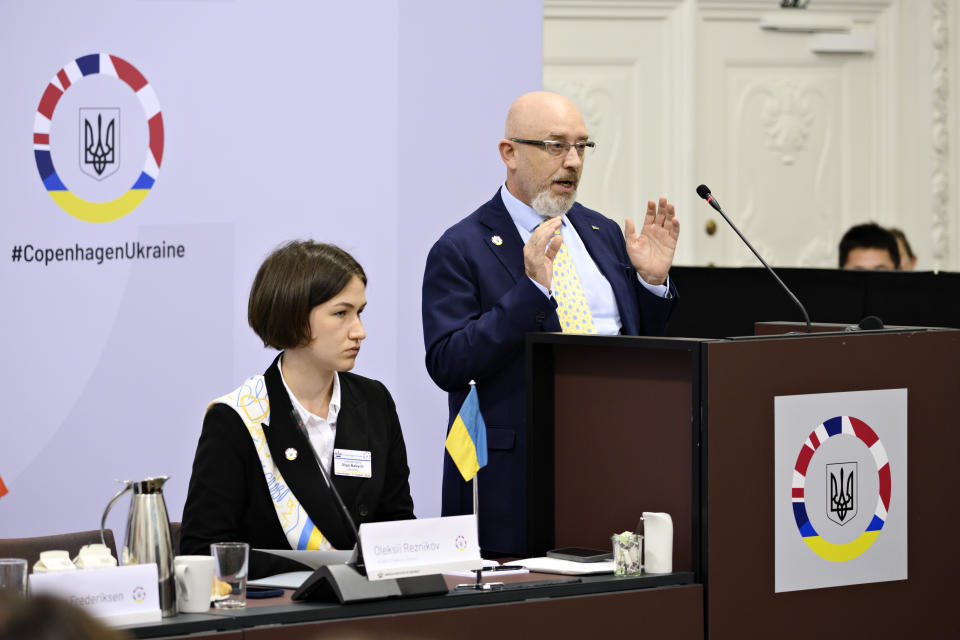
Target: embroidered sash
{"points": [[252, 404]]}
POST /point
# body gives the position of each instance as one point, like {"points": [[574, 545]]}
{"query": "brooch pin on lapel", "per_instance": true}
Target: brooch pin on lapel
{"points": [[497, 240], [290, 454], [595, 228]]}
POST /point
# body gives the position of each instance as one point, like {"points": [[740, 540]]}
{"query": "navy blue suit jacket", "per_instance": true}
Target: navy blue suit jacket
{"points": [[478, 304]]}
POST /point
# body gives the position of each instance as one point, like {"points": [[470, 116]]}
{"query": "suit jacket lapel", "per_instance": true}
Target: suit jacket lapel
{"points": [[351, 434], [500, 225], [605, 257], [301, 474]]}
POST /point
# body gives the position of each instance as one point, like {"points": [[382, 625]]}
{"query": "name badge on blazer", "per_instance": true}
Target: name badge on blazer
{"points": [[353, 463]]}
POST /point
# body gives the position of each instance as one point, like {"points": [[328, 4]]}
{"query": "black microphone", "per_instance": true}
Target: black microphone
{"points": [[870, 323], [704, 192], [358, 561]]}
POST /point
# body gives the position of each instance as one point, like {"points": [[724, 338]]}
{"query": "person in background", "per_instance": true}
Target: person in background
{"points": [[254, 477], [908, 261], [869, 247], [44, 617], [533, 259]]}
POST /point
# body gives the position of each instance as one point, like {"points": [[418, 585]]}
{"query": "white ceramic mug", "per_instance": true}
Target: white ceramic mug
{"points": [[194, 583]]}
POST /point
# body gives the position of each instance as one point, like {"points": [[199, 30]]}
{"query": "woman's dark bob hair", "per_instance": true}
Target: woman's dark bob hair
{"points": [[293, 280]]}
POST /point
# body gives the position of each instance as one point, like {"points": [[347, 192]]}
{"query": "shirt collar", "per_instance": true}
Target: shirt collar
{"points": [[521, 213], [306, 416]]}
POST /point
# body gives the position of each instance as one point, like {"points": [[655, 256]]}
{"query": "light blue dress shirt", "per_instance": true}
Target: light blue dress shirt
{"points": [[596, 288]]}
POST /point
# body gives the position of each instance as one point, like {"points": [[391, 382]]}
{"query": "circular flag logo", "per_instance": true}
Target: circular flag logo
{"points": [[98, 138], [849, 462]]}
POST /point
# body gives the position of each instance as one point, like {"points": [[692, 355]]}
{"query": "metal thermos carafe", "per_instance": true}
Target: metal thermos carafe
{"points": [[147, 537]]}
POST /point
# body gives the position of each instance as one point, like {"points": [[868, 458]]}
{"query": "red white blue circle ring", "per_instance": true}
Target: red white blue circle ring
{"points": [[71, 73], [841, 425]]}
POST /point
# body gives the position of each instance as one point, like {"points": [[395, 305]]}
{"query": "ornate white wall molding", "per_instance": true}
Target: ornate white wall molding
{"points": [[808, 128], [686, 91], [817, 253], [628, 65], [940, 102], [787, 115], [606, 9], [737, 9], [597, 99]]}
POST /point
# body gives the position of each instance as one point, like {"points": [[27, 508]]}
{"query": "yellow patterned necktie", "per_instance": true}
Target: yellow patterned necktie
{"points": [[574, 312]]}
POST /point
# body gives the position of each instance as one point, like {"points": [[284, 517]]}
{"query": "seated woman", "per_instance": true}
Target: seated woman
{"points": [[255, 478]]}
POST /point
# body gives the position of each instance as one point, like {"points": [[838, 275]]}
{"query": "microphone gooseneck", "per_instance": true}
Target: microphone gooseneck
{"points": [[704, 192], [336, 494]]}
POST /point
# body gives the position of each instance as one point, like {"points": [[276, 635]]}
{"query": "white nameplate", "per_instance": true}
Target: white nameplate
{"points": [[348, 462], [117, 595], [420, 547]]}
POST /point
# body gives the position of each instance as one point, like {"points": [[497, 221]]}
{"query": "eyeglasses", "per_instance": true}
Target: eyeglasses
{"points": [[558, 148]]}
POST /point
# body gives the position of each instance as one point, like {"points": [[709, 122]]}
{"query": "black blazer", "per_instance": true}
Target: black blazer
{"points": [[228, 499]]}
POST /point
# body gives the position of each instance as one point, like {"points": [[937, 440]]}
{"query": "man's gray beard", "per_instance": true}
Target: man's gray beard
{"points": [[549, 206]]}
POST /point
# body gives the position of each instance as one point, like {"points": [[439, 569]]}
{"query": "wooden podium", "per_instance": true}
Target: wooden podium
{"points": [[621, 425]]}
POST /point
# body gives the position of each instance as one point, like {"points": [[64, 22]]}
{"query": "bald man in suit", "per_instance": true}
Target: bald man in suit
{"points": [[489, 280]]}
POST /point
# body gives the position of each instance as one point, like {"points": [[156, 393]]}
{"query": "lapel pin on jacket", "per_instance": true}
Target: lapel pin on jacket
{"points": [[594, 227], [497, 240], [290, 454]]}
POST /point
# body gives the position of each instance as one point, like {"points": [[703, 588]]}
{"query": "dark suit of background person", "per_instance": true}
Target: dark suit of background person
{"points": [[478, 304], [228, 499]]}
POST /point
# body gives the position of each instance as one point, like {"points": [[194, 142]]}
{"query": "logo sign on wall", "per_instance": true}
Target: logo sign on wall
{"points": [[95, 169], [841, 488]]}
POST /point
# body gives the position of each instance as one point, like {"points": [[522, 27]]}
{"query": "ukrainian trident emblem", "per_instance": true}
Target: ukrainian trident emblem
{"points": [[842, 492], [99, 151]]}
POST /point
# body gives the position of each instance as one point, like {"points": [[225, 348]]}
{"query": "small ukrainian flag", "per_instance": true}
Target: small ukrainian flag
{"points": [[467, 440]]}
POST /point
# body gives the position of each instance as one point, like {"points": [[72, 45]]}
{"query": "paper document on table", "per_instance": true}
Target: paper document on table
{"points": [[291, 580], [313, 559], [565, 567]]}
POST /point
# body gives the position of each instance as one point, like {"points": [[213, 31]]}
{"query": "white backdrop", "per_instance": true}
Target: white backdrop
{"points": [[369, 125]]}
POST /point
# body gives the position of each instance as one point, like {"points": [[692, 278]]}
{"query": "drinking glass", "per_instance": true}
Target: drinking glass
{"points": [[13, 576], [230, 564]]}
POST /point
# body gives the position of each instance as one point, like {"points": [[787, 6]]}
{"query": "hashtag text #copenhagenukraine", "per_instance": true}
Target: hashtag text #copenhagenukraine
{"points": [[127, 251]]}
